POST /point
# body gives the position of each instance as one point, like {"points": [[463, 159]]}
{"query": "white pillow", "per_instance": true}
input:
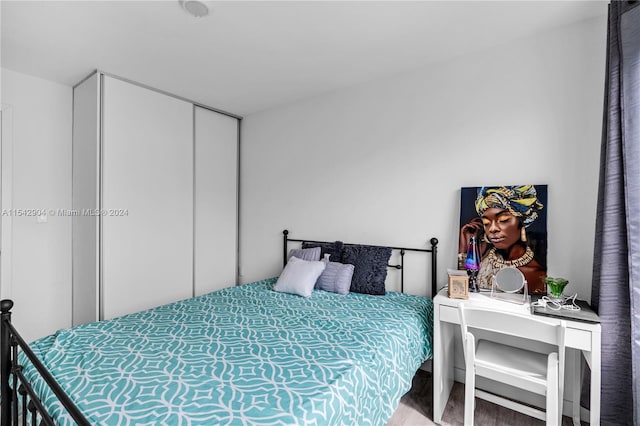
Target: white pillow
{"points": [[299, 277]]}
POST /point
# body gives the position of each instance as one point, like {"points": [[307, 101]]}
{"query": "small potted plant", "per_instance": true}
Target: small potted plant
{"points": [[556, 286]]}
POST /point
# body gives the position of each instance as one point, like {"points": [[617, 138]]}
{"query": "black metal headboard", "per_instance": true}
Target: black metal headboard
{"points": [[433, 250]]}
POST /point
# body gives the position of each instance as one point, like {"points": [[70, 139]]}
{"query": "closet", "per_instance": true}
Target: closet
{"points": [[155, 186]]}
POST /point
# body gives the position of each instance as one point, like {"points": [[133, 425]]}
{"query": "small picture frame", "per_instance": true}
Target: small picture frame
{"points": [[458, 286]]}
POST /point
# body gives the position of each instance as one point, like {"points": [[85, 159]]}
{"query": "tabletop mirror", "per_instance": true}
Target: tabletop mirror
{"points": [[509, 284]]}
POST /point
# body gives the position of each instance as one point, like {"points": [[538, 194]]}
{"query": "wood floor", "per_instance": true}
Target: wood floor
{"points": [[415, 408]]}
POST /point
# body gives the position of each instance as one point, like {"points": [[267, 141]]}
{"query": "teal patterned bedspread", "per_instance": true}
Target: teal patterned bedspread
{"points": [[241, 356]]}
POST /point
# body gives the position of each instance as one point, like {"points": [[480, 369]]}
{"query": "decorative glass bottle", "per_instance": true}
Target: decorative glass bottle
{"points": [[472, 264]]}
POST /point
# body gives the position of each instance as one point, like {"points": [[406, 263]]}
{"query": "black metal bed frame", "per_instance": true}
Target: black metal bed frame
{"points": [[433, 250], [19, 403]]}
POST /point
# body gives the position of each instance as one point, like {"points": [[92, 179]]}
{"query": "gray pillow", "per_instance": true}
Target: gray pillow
{"points": [[299, 276], [305, 253], [336, 277], [334, 249]]}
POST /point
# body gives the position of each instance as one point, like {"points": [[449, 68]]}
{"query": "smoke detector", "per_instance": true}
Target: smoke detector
{"points": [[195, 8]]}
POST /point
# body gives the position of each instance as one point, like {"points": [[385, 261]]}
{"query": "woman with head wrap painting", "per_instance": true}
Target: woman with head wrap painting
{"points": [[505, 212]]}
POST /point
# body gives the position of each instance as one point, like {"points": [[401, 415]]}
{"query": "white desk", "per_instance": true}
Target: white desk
{"points": [[581, 336]]}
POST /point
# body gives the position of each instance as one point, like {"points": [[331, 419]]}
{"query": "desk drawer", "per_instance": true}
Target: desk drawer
{"points": [[579, 339], [449, 314]]}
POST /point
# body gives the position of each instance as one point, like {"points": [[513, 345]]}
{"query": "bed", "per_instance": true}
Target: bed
{"points": [[243, 355]]}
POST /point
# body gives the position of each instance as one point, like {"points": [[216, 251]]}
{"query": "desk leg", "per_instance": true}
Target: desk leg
{"points": [[576, 373], [443, 357], [595, 379]]}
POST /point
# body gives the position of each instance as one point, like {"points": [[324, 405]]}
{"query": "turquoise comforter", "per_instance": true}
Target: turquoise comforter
{"points": [[243, 355]]}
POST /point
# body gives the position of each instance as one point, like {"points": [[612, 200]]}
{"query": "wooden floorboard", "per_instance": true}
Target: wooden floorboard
{"points": [[416, 410]]}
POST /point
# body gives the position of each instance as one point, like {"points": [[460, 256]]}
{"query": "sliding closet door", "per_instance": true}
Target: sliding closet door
{"points": [[216, 189], [147, 199]]}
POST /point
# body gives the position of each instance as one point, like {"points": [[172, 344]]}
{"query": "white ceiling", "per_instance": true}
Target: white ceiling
{"points": [[248, 56]]}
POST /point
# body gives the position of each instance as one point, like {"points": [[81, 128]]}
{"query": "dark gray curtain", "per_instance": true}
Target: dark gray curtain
{"points": [[616, 268]]}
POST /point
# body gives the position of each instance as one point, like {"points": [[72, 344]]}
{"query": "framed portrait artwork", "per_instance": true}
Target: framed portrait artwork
{"points": [[509, 224]]}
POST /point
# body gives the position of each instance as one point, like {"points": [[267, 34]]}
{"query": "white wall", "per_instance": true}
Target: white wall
{"points": [[40, 141], [382, 163]]}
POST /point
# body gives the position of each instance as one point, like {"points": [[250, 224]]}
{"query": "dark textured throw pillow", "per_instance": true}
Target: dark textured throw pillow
{"points": [[335, 278], [370, 268], [334, 249]]}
